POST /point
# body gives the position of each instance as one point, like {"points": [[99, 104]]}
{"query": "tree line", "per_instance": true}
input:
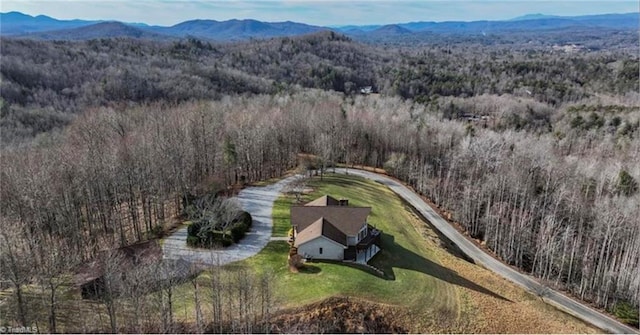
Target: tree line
{"points": [[563, 208]]}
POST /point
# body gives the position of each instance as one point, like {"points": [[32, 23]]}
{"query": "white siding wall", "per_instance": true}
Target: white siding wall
{"points": [[330, 249]]}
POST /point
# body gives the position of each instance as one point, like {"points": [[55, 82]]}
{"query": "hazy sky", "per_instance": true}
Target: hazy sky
{"points": [[319, 12]]}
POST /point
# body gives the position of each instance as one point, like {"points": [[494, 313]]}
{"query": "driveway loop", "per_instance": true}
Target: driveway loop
{"points": [[258, 201]]}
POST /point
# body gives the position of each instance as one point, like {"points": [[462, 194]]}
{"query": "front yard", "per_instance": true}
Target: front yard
{"points": [[438, 291], [414, 278]]}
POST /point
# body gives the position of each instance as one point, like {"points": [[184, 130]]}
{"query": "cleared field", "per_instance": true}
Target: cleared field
{"points": [[415, 278], [437, 290]]}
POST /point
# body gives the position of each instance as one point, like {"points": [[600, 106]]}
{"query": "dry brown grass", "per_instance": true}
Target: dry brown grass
{"points": [[523, 313], [339, 315]]}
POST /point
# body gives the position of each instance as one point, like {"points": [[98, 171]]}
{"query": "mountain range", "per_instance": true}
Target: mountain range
{"points": [[44, 27]]}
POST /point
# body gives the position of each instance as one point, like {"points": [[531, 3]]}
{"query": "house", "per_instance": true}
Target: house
{"points": [[366, 90], [328, 228]]}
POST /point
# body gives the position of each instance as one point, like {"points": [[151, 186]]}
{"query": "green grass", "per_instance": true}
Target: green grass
{"points": [[415, 279], [280, 216]]}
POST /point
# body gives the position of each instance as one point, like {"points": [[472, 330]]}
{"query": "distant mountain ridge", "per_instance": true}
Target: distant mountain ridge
{"points": [[44, 27], [529, 22], [16, 23], [391, 29], [236, 29], [98, 30]]}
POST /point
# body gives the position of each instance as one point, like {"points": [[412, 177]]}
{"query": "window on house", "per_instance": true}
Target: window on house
{"points": [[320, 251], [362, 234]]}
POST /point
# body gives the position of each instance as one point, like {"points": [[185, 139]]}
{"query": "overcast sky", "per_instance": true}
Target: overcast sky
{"points": [[318, 12]]}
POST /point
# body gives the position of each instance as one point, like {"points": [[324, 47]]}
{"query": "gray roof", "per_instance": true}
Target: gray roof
{"points": [[348, 219], [321, 227]]}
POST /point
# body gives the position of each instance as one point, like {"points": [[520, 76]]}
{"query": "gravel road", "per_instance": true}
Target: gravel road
{"points": [[258, 201]]}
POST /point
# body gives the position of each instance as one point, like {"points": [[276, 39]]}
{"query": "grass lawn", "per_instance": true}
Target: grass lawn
{"points": [[416, 280], [280, 216], [439, 291]]}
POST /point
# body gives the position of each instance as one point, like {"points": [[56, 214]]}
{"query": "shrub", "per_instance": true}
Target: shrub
{"points": [[245, 218], [615, 122], [238, 231], [193, 241], [224, 242], [194, 228], [195, 238], [210, 239], [627, 185], [218, 239], [296, 261], [157, 231], [577, 122], [626, 313]]}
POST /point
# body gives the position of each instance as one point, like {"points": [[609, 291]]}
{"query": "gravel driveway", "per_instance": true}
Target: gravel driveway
{"points": [[258, 201]]}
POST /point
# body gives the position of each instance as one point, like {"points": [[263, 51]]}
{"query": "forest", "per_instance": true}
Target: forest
{"points": [[45, 84], [535, 153]]}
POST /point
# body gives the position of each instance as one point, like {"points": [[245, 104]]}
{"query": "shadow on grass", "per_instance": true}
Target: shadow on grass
{"points": [[394, 256], [309, 269], [351, 265], [445, 242]]}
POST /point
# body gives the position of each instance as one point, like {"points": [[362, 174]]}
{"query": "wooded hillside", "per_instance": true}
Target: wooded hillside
{"points": [[536, 154], [44, 84]]}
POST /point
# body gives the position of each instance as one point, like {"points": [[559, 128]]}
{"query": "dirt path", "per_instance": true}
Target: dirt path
{"points": [[258, 201]]}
